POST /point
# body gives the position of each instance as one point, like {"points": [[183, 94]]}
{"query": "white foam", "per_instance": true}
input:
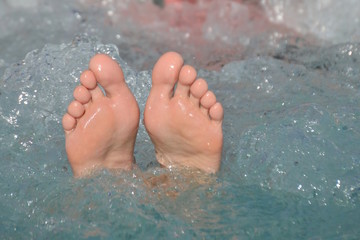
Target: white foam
{"points": [[330, 20]]}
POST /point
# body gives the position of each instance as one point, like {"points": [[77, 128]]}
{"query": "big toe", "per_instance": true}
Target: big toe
{"points": [[108, 73], [166, 72]]}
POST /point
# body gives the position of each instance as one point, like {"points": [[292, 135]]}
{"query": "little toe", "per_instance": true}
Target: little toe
{"points": [[82, 94], [108, 74], [186, 78], [197, 90], [76, 109], [166, 73], [216, 112], [206, 101], [68, 122]]}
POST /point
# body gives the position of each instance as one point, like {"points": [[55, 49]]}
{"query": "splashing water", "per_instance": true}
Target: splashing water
{"points": [[291, 161]]}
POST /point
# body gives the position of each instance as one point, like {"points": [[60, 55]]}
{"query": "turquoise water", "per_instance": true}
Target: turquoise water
{"points": [[291, 161]]}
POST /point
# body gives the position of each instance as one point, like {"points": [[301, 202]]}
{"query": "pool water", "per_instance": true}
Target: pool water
{"points": [[287, 76]]}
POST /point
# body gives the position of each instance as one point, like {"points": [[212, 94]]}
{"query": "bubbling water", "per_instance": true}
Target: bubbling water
{"points": [[292, 110]]}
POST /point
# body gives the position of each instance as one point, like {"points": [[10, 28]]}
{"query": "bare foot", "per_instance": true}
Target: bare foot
{"points": [[100, 130], [185, 124]]}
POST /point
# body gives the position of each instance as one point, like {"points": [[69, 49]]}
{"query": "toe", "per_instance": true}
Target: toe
{"points": [[88, 80], [108, 74], [68, 122], [197, 90], [82, 94], [216, 112], [186, 78], [206, 101], [96, 93], [76, 109], [166, 73]]}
